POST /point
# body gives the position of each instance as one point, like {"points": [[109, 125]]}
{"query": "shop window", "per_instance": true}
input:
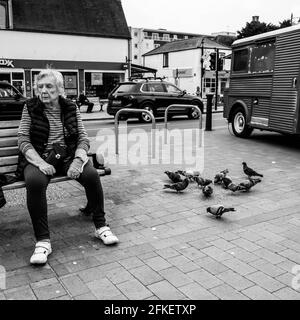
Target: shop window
{"points": [[18, 75], [70, 83], [166, 60], [5, 77], [98, 84], [210, 85], [18, 81], [262, 58], [4, 23], [241, 61]]}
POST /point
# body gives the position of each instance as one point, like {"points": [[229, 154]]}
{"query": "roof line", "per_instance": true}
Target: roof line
{"points": [[96, 35], [267, 34]]}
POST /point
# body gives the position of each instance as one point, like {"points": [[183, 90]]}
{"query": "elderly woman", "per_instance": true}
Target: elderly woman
{"points": [[49, 120]]}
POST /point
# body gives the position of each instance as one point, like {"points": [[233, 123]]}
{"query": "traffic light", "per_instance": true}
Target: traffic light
{"points": [[220, 64], [212, 61]]}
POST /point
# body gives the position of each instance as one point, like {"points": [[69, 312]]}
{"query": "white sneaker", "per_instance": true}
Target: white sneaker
{"points": [[41, 252], [106, 236]]}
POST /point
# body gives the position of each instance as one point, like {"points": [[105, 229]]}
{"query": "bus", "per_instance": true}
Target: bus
{"points": [[264, 85]]}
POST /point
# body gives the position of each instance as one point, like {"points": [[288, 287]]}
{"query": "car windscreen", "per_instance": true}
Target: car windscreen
{"points": [[124, 88]]}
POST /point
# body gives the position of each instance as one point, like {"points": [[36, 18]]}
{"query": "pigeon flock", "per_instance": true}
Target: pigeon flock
{"points": [[181, 180]]}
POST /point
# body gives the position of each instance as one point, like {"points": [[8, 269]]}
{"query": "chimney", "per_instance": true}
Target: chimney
{"points": [[255, 18]]}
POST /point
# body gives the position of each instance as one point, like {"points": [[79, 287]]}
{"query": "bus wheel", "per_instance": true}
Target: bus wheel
{"points": [[239, 124]]}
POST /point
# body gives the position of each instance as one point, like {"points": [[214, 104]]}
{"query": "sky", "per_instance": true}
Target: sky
{"points": [[206, 17]]}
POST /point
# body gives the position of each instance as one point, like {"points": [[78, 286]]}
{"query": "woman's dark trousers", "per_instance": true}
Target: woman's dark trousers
{"points": [[36, 186]]}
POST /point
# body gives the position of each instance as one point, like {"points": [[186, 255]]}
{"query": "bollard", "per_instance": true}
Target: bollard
{"points": [[208, 123]]}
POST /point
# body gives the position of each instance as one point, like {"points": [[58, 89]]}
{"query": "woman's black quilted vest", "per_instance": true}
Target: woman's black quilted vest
{"points": [[39, 129]]}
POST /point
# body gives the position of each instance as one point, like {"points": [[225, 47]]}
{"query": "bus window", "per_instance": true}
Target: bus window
{"points": [[241, 61], [262, 57]]}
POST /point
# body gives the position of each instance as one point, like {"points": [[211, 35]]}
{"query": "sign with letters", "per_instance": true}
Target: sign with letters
{"points": [[6, 63], [182, 73]]}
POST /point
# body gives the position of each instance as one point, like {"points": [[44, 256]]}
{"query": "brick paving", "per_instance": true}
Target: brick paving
{"points": [[170, 248]]}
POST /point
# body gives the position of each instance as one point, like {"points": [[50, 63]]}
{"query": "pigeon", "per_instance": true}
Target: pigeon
{"points": [[219, 210], [226, 181], [187, 174], [220, 176], [247, 185], [202, 182], [173, 176], [233, 187], [207, 191], [250, 172], [179, 186]]}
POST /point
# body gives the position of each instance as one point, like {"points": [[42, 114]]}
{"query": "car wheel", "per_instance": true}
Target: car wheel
{"points": [[239, 124], [145, 117], [193, 113]]}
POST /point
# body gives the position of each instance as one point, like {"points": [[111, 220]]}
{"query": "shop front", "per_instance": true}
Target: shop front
{"points": [[100, 84], [97, 79], [12, 75], [210, 82]]}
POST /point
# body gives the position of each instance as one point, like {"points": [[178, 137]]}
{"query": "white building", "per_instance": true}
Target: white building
{"points": [[188, 64], [145, 40], [91, 54]]}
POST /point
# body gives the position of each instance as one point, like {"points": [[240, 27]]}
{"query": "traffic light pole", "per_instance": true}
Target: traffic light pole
{"points": [[217, 79], [202, 60]]}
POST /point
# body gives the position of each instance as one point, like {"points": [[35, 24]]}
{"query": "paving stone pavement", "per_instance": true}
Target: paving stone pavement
{"points": [[170, 248]]}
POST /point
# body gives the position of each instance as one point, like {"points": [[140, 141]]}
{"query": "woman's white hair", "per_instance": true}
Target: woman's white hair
{"points": [[56, 75]]}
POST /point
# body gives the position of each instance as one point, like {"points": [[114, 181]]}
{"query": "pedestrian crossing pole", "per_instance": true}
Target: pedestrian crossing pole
{"points": [[217, 79]]}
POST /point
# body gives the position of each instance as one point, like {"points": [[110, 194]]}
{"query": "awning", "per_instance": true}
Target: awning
{"points": [[135, 68]]}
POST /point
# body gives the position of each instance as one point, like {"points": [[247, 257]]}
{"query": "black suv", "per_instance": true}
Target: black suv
{"points": [[152, 95], [11, 102]]}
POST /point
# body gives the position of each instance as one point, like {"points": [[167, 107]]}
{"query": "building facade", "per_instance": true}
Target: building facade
{"points": [[88, 41], [191, 64], [145, 40]]}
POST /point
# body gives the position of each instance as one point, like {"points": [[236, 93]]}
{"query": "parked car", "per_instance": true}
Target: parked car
{"points": [[154, 96], [11, 102]]}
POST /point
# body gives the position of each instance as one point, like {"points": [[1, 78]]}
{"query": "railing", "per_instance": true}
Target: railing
{"points": [[161, 39], [132, 111], [181, 106]]}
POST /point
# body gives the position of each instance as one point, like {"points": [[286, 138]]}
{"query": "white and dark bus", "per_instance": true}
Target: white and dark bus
{"points": [[264, 89]]}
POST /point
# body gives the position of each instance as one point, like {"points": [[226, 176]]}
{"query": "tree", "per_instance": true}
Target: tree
{"points": [[256, 27], [225, 40], [285, 23]]}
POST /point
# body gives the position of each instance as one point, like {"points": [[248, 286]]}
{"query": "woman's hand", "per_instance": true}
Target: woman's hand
{"points": [[75, 169], [47, 168]]}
